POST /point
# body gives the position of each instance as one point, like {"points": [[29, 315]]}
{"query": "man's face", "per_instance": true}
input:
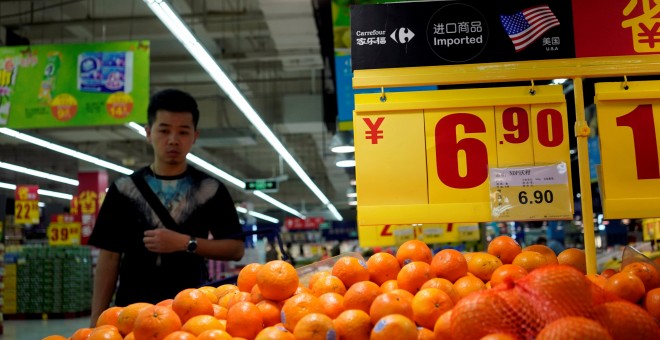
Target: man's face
{"points": [[172, 136]]}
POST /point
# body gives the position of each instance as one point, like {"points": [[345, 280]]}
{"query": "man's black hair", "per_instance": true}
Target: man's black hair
{"points": [[172, 100]]}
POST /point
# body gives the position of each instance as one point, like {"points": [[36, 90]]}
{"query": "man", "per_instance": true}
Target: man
{"points": [[152, 259]]}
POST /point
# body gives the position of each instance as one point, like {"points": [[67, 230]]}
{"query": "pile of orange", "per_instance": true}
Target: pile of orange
{"points": [[507, 292]]}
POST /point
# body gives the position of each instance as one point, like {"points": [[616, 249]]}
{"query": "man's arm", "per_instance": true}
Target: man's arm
{"points": [[163, 240], [226, 250], [105, 282]]}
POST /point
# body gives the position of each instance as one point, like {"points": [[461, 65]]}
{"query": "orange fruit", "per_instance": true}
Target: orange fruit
{"points": [[247, 277], [315, 277], [573, 328], [507, 273], [424, 334], [468, 284], [270, 312], [180, 335], [626, 285], [350, 270], [277, 280], [449, 264], [482, 265], [652, 302], [209, 292], [499, 336], [224, 289], [444, 285], [481, 313], [156, 322], [428, 304], [333, 304], [391, 303], [608, 272], [54, 337], [275, 333], [361, 295], [530, 260], [353, 324], [199, 323], [442, 327], [298, 306], [255, 294], [328, 284], [109, 317], [382, 267], [394, 326], [645, 272], [413, 275], [219, 312], [105, 332], [413, 250], [191, 302], [302, 289], [167, 303], [597, 279], [130, 336], [575, 258], [389, 286], [622, 319], [81, 334], [314, 326], [550, 256], [244, 319], [232, 299], [126, 317], [225, 299], [215, 334], [504, 248]]}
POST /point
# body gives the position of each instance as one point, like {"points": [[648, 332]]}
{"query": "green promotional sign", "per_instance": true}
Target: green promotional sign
{"points": [[74, 84]]}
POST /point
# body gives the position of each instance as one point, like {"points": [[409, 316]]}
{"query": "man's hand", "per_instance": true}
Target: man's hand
{"points": [[163, 240]]}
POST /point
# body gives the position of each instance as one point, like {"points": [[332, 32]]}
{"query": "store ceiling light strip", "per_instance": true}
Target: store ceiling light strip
{"points": [[258, 215], [231, 179], [66, 151], [40, 191], [172, 21], [38, 173]]}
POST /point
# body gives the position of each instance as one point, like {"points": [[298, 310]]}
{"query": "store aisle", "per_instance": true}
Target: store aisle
{"points": [[38, 329]]}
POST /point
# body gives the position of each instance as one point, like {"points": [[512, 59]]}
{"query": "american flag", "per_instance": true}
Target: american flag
{"points": [[527, 26]]}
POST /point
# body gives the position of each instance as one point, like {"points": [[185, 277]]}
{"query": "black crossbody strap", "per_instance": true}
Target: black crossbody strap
{"points": [[154, 202]]}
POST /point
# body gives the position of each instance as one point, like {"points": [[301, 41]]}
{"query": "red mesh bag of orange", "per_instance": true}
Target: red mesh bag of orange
{"points": [[551, 302]]}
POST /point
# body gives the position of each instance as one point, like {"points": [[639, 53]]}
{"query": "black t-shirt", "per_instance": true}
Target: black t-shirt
{"points": [[198, 203]]}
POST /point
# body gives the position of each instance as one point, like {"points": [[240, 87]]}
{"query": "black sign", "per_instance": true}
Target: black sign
{"points": [[265, 185], [460, 32]]}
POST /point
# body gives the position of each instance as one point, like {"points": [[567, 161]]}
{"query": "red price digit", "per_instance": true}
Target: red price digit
{"points": [[515, 119], [54, 234], [23, 211], [447, 149], [640, 121], [550, 125], [65, 234]]}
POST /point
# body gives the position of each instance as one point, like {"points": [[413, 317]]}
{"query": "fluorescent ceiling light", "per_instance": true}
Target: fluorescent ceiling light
{"points": [[278, 204], [258, 215], [352, 202], [66, 151], [558, 81], [176, 26], [37, 173], [40, 191], [346, 163]]}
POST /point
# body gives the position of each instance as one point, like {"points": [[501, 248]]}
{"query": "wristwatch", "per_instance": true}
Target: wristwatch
{"points": [[192, 245]]}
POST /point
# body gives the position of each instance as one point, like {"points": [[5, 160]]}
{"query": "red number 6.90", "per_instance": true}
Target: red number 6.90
{"points": [[447, 149]]}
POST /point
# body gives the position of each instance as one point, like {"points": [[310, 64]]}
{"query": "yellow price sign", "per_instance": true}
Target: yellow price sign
{"points": [[26, 212], [393, 235], [530, 193], [628, 124], [423, 157], [64, 229]]}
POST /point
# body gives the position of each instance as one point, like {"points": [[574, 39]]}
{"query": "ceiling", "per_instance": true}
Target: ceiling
{"points": [[270, 48]]}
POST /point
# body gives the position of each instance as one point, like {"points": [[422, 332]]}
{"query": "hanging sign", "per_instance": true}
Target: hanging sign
{"points": [[423, 157], [394, 235], [64, 230], [26, 204], [530, 193], [629, 125]]}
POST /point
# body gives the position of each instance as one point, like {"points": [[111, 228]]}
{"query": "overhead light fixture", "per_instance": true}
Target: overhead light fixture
{"points": [[37, 173], [558, 81], [352, 203], [342, 142], [258, 215], [352, 182], [66, 151], [176, 26], [278, 204], [350, 192], [345, 160], [40, 191]]}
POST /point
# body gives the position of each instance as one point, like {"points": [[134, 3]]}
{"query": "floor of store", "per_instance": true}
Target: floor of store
{"points": [[38, 329]]}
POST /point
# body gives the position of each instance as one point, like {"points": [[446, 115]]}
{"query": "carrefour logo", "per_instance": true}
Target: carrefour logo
{"points": [[402, 35]]}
